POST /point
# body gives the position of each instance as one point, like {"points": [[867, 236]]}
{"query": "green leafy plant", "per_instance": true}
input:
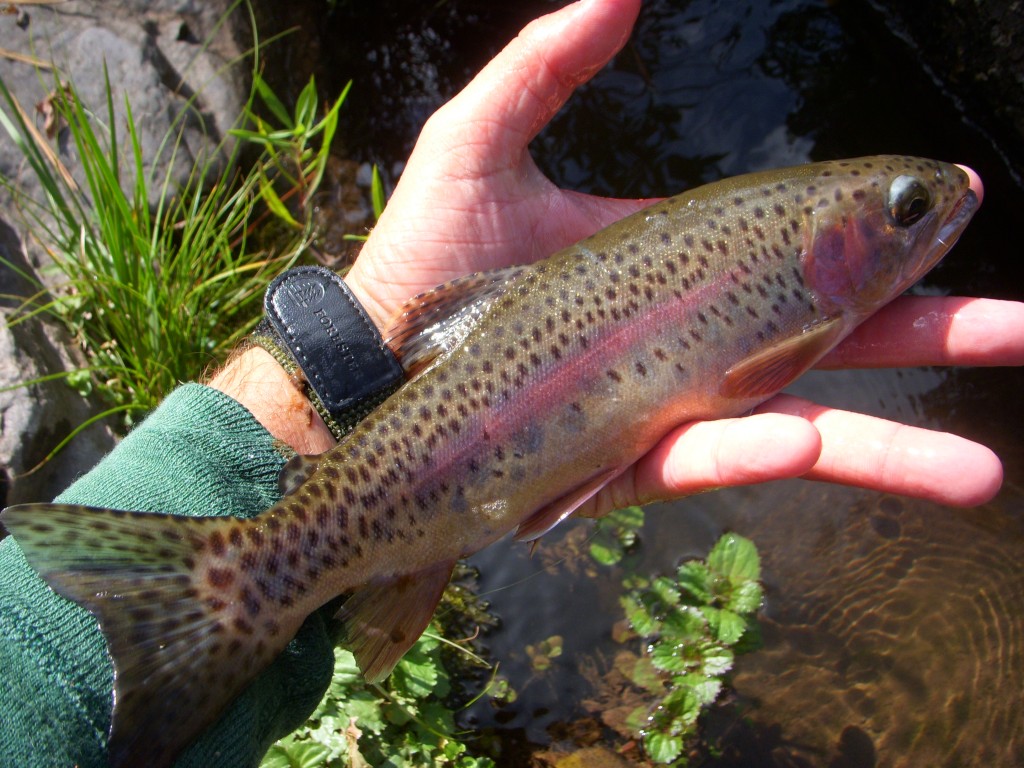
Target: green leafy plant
{"points": [[690, 627], [615, 535], [403, 722], [155, 293]]}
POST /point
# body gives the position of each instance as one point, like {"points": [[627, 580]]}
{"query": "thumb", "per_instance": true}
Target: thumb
{"points": [[522, 88]]}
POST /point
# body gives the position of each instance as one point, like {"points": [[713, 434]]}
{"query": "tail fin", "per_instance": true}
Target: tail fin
{"points": [[181, 642]]}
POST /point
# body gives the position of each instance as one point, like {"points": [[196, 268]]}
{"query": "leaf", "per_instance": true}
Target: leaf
{"points": [[365, 708], [308, 754], [643, 674], [666, 590], [416, 674], [542, 653], [695, 578], [669, 657], [276, 757], [296, 754], [274, 203], [706, 689], [377, 193], [614, 534], [329, 124], [638, 720], [639, 616], [683, 706], [715, 659], [747, 598], [685, 625], [662, 748], [346, 671], [605, 551], [270, 99], [727, 627], [735, 558], [305, 107]]}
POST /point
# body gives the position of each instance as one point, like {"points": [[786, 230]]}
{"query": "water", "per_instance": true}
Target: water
{"points": [[893, 629]]}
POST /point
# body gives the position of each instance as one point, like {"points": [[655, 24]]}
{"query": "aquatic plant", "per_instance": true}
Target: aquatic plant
{"points": [[403, 722], [689, 627]]}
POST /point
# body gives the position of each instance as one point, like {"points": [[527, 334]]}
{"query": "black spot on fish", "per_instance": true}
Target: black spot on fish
{"points": [[217, 545], [251, 602]]}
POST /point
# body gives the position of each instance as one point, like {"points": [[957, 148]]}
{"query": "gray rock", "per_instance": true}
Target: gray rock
{"points": [[35, 418], [171, 61]]}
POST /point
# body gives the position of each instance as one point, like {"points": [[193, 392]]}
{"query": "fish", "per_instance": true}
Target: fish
{"points": [[529, 389]]}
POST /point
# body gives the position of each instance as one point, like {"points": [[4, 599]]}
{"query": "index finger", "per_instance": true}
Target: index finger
{"points": [[930, 330]]}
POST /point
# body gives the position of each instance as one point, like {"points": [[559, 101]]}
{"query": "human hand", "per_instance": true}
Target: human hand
{"points": [[472, 199]]}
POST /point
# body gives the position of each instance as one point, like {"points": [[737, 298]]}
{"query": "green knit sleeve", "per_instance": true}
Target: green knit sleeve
{"points": [[199, 453]]}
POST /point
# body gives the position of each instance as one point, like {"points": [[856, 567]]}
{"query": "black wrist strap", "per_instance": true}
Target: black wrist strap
{"points": [[314, 325]]}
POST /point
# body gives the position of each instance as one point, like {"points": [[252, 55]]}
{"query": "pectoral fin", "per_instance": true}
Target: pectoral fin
{"points": [[384, 618], [769, 370]]}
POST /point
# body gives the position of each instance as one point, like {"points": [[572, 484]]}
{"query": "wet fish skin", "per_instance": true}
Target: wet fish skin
{"points": [[533, 387]]}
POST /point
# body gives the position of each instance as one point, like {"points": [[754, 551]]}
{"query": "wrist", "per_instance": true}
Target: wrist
{"points": [[257, 381]]}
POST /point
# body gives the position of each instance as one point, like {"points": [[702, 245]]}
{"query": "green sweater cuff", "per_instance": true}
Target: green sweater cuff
{"points": [[199, 453]]}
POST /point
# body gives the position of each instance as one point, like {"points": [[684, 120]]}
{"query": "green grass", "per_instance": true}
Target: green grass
{"points": [[154, 294]]}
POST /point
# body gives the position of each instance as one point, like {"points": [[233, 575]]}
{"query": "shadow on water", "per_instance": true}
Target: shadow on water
{"points": [[893, 629]]}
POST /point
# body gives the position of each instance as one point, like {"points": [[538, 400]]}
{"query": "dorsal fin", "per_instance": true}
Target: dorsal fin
{"points": [[769, 370], [439, 319]]}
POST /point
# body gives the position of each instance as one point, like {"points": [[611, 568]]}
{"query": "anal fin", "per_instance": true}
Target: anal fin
{"points": [[384, 618]]}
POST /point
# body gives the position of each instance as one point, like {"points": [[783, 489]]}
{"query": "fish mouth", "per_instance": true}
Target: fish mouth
{"points": [[947, 233], [956, 221]]}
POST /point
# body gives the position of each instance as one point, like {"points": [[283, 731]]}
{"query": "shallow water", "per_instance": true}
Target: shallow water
{"points": [[893, 629]]}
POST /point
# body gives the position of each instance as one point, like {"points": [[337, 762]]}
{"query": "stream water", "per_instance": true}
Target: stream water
{"points": [[893, 628]]}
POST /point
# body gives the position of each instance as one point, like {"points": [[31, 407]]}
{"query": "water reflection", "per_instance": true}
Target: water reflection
{"points": [[687, 102]]}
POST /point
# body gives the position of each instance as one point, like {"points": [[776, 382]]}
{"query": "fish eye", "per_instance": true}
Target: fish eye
{"points": [[908, 200]]}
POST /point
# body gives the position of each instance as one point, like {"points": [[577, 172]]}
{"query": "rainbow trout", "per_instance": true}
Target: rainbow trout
{"points": [[530, 388]]}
